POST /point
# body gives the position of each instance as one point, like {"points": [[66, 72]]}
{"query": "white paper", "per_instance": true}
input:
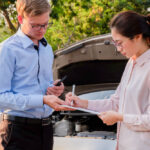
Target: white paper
{"points": [[82, 109]]}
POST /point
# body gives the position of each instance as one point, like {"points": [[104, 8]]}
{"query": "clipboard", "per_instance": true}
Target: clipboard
{"points": [[82, 109]]}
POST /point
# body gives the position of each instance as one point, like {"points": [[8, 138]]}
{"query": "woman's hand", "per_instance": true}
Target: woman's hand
{"points": [[75, 101], [111, 117]]}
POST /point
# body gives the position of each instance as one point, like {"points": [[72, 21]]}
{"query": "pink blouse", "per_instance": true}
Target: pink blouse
{"points": [[132, 99]]}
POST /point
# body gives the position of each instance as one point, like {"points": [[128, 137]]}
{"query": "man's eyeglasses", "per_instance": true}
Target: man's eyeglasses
{"points": [[39, 27]]}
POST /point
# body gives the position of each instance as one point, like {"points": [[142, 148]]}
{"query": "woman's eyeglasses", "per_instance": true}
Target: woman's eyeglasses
{"points": [[117, 44]]}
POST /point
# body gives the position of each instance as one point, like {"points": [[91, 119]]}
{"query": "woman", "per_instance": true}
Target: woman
{"points": [[130, 105]]}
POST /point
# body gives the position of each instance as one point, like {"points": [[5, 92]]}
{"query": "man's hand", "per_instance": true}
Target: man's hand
{"points": [[54, 102], [55, 90], [111, 117]]}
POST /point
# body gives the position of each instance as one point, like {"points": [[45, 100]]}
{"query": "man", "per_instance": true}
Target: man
{"points": [[25, 74]]}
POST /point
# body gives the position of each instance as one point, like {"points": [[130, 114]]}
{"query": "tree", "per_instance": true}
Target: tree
{"points": [[74, 20], [7, 10]]}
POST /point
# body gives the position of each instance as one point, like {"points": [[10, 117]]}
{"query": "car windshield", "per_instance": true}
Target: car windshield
{"points": [[97, 95]]}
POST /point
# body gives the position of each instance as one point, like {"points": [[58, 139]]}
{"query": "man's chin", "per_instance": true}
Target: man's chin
{"points": [[39, 37]]}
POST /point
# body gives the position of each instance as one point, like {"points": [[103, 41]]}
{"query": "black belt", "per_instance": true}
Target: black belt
{"points": [[24, 120]]}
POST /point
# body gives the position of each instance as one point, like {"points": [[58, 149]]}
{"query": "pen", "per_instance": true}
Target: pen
{"points": [[73, 92]]}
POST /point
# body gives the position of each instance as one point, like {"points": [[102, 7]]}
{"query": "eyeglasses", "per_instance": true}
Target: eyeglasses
{"points": [[120, 43], [39, 27], [117, 44]]}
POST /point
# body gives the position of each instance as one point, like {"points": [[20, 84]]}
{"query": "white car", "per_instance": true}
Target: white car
{"points": [[95, 67]]}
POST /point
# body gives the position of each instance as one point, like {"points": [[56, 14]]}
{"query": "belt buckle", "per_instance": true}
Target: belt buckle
{"points": [[46, 121]]}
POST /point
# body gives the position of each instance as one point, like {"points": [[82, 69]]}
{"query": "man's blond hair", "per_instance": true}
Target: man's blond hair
{"points": [[32, 7]]}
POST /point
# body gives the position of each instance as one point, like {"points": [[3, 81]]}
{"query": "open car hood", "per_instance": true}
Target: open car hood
{"points": [[91, 64], [96, 68]]}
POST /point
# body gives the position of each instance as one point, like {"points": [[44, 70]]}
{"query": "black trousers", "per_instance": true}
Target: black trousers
{"points": [[17, 136]]}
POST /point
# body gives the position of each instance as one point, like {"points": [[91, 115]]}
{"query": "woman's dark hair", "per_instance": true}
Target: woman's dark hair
{"points": [[130, 23]]}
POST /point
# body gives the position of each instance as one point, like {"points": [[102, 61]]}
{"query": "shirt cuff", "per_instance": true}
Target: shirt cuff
{"points": [[36, 101]]}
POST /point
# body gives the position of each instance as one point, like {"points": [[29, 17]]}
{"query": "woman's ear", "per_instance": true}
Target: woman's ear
{"points": [[148, 41], [20, 19], [138, 37]]}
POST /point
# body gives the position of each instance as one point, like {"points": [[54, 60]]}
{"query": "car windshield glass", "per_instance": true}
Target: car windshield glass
{"points": [[97, 95]]}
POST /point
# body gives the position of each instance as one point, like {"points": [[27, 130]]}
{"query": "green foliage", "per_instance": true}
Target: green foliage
{"points": [[4, 4], [74, 20], [8, 11], [4, 33]]}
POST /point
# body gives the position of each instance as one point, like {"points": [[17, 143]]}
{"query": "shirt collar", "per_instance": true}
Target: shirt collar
{"points": [[44, 42], [26, 41], [143, 58]]}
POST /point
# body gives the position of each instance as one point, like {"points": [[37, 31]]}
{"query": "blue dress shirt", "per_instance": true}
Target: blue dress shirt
{"points": [[25, 74]]}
